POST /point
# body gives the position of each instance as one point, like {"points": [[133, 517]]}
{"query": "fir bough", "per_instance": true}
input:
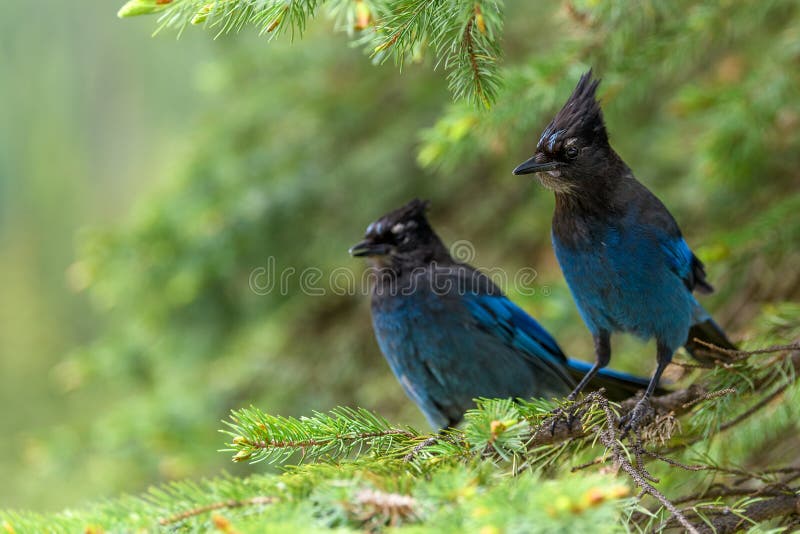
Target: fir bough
{"points": [[512, 466], [463, 35]]}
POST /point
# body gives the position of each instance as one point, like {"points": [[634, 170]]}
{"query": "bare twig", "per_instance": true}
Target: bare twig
{"points": [[473, 62], [311, 442], [710, 396], [725, 470], [676, 403], [768, 508], [737, 352], [609, 437], [719, 491], [233, 503], [596, 461], [756, 407], [416, 450]]}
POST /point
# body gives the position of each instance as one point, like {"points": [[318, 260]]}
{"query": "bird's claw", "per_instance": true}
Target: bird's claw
{"points": [[633, 419], [571, 415]]}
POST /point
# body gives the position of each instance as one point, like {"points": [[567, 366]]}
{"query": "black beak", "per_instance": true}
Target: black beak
{"points": [[368, 248], [531, 166]]}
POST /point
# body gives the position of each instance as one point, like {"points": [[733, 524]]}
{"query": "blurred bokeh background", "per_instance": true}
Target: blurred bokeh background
{"points": [[144, 180]]}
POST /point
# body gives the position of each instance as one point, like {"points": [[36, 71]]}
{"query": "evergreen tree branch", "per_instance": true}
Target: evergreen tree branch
{"points": [[640, 476], [375, 483], [724, 519], [683, 401], [261, 437], [206, 508], [523, 434], [463, 34], [761, 510]]}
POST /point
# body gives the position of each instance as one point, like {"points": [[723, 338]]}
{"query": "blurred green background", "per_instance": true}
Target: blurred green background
{"points": [[144, 180]]}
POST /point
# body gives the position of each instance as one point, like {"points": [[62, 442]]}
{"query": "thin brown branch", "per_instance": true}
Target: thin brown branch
{"points": [[473, 62], [610, 438], [233, 503], [763, 510], [763, 476], [715, 492], [418, 448], [739, 418], [710, 396], [738, 352], [596, 461], [756, 407], [302, 444], [675, 403], [719, 491]]}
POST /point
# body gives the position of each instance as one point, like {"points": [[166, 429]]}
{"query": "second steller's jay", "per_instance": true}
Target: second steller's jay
{"points": [[623, 256], [448, 332]]}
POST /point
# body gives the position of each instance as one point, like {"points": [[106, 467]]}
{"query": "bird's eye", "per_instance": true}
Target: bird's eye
{"points": [[571, 152]]}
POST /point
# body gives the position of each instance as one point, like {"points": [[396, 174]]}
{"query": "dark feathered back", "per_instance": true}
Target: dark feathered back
{"points": [[580, 117]]}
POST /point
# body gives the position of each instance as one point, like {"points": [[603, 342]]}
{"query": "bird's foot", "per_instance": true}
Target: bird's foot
{"points": [[633, 419], [570, 415]]}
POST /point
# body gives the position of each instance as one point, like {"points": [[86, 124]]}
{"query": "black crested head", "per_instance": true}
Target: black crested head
{"points": [[574, 146], [580, 117], [403, 235]]}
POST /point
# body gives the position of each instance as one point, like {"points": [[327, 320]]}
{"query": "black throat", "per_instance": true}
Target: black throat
{"points": [[399, 268], [595, 203]]}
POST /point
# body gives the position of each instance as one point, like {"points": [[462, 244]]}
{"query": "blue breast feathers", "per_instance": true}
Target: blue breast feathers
{"points": [[633, 279]]}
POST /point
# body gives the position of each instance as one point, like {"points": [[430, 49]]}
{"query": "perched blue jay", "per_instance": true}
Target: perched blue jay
{"points": [[449, 333], [622, 253]]}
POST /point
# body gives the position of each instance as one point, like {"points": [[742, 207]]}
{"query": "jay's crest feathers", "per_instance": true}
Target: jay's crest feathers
{"points": [[580, 117]]}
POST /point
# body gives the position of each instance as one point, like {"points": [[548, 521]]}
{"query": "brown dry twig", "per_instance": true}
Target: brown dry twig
{"points": [[233, 503], [675, 403], [610, 438], [726, 520], [418, 448], [776, 499]]}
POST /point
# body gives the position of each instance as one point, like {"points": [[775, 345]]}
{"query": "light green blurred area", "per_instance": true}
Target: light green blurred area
{"points": [[93, 113], [144, 180]]}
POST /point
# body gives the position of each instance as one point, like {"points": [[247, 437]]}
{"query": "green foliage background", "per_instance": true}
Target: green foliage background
{"points": [[144, 180]]}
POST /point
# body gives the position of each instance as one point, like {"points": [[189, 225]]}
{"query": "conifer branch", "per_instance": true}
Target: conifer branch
{"points": [[463, 34], [232, 503], [610, 438], [752, 514], [525, 436], [261, 437]]}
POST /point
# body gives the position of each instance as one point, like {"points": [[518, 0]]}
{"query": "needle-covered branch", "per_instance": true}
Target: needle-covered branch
{"points": [[526, 436], [463, 35], [360, 472], [261, 437]]}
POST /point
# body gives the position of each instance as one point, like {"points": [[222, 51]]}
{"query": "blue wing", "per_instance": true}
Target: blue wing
{"points": [[447, 349], [502, 318], [520, 330], [685, 264]]}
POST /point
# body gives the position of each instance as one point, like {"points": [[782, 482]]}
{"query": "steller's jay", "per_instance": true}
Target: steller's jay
{"points": [[449, 333], [623, 256]]}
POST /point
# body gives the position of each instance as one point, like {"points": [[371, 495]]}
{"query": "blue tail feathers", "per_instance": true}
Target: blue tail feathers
{"points": [[709, 331]]}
